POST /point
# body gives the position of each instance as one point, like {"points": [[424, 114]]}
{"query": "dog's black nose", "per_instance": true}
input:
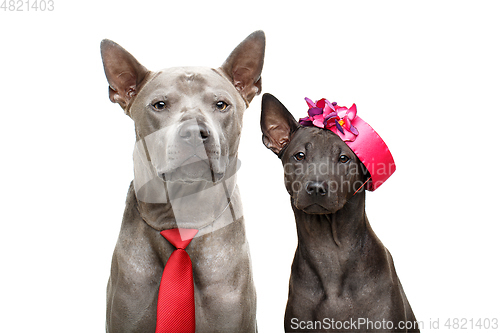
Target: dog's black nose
{"points": [[317, 188], [194, 134]]}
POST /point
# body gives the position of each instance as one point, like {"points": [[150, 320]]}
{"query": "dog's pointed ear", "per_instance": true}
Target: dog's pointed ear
{"points": [[244, 65], [123, 72], [276, 123]]}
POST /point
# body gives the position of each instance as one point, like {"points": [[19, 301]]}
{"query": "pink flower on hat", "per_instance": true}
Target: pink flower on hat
{"points": [[318, 113], [337, 119]]}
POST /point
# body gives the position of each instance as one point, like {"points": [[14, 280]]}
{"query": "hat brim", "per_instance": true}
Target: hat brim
{"points": [[373, 153]]}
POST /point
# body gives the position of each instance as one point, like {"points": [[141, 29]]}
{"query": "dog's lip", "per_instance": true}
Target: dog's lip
{"points": [[215, 170], [171, 176], [193, 159], [315, 209], [162, 173], [176, 175]]}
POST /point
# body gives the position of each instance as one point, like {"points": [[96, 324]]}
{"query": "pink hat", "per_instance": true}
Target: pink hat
{"points": [[357, 134]]}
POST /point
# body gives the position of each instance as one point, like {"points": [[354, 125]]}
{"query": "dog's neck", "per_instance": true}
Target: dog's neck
{"points": [[330, 245], [340, 229], [197, 205]]}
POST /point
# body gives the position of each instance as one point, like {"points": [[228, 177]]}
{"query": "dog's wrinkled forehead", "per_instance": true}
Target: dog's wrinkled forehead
{"points": [[186, 80]]}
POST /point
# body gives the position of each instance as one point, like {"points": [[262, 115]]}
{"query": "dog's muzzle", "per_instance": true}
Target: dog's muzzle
{"points": [[189, 153]]}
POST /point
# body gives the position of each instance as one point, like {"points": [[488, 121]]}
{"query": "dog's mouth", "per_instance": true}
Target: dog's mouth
{"points": [[315, 209], [314, 205]]}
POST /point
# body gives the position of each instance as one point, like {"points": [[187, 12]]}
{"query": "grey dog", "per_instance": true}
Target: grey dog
{"points": [[342, 277], [188, 122]]}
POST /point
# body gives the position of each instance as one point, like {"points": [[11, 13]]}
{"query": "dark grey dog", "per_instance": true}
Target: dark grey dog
{"points": [[342, 277], [188, 123]]}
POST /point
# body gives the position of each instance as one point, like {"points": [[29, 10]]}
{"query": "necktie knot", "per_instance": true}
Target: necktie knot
{"points": [[179, 237]]}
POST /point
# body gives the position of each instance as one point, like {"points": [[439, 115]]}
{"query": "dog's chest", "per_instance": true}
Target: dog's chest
{"points": [[324, 289]]}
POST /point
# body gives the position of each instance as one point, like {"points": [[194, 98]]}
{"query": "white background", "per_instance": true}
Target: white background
{"points": [[424, 74]]}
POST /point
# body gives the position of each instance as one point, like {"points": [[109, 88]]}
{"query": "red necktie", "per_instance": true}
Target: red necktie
{"points": [[175, 309]]}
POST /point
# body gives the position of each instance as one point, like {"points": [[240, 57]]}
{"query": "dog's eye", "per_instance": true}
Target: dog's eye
{"points": [[161, 105], [299, 156], [344, 158], [221, 105]]}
